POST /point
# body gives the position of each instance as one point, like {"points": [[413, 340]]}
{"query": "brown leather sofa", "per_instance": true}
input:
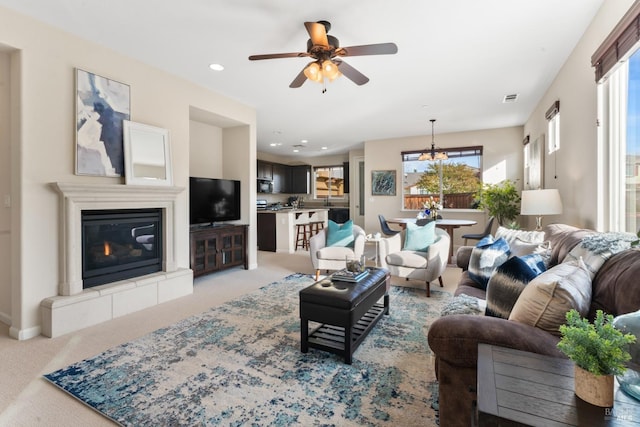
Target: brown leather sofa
{"points": [[454, 339]]}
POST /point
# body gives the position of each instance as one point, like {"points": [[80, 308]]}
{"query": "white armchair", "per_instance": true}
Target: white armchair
{"points": [[427, 266], [325, 257]]}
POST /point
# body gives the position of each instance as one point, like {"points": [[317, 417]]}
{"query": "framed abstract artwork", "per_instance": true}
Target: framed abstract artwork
{"points": [[383, 183], [101, 106]]}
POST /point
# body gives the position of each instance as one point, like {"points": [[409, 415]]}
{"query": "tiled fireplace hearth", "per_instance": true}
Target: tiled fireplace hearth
{"points": [[76, 307]]}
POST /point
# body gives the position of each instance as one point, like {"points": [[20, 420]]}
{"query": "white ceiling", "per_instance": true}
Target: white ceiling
{"points": [[456, 59]]}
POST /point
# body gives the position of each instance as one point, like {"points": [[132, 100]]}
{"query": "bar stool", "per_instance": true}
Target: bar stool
{"points": [[303, 230], [315, 227]]}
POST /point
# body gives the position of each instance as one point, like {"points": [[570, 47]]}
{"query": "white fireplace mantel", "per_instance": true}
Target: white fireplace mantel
{"points": [[79, 197], [74, 307]]}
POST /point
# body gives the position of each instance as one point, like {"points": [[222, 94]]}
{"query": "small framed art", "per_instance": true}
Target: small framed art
{"points": [[383, 183]]}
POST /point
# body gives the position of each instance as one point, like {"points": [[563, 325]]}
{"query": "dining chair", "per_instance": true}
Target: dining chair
{"points": [[480, 236], [384, 226]]}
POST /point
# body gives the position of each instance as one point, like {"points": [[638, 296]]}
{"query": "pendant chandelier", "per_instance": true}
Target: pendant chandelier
{"points": [[433, 154]]}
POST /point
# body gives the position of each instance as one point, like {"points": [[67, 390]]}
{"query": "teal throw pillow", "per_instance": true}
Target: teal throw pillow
{"points": [[340, 234], [419, 237]]}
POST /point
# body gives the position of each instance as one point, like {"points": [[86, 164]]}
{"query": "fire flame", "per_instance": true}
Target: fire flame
{"points": [[107, 249]]}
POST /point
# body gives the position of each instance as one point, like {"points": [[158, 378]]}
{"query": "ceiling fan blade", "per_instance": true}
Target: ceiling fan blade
{"points": [[299, 80], [351, 73], [368, 49], [318, 33], [278, 55]]}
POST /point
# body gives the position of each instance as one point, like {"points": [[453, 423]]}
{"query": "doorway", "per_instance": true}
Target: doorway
{"points": [[358, 192]]}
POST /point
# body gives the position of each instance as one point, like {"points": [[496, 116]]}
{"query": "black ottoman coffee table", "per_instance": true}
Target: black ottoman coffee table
{"points": [[346, 310]]}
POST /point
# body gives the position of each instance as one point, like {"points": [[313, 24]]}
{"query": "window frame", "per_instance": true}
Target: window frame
{"points": [[314, 170], [611, 63], [452, 153], [553, 127]]}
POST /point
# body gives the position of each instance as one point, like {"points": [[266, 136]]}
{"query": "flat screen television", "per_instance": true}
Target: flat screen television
{"points": [[213, 200]]}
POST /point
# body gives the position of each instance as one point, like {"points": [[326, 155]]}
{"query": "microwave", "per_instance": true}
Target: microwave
{"points": [[265, 186]]}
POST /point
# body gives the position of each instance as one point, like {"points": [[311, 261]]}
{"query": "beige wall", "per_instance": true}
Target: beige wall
{"points": [[502, 159], [46, 134], [5, 187], [573, 169], [205, 150]]}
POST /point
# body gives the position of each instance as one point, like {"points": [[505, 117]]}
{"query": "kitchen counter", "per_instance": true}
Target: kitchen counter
{"points": [[277, 228]]}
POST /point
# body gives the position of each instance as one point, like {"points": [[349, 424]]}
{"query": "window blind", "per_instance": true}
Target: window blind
{"points": [[618, 43]]}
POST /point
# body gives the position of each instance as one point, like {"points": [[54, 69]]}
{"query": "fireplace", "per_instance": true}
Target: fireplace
{"points": [[120, 244], [78, 305]]}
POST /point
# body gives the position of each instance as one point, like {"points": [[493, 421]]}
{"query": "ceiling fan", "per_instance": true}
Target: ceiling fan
{"points": [[326, 52]]}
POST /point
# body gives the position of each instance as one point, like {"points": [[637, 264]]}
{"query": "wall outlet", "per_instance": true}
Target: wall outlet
{"points": [[7, 200]]}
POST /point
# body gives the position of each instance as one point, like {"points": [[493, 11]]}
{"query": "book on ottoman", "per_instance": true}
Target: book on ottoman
{"points": [[345, 275]]}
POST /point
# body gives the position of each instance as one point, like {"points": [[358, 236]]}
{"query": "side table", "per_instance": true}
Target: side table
{"points": [[519, 388], [376, 241]]}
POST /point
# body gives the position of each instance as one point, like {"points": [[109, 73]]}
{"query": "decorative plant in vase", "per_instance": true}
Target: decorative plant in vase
{"points": [[599, 351], [431, 207]]}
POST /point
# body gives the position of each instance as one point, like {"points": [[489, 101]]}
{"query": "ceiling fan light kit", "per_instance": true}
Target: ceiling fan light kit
{"points": [[326, 50]]}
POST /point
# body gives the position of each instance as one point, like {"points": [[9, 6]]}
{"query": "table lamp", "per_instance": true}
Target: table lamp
{"points": [[540, 202]]}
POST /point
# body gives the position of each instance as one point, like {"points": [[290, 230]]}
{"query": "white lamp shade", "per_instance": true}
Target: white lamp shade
{"points": [[541, 202]]}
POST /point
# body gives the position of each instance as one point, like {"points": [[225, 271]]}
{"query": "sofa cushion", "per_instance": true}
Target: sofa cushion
{"points": [[615, 287], [335, 253], [508, 281], [340, 234], [470, 287], [409, 259], [487, 255], [419, 237], [545, 301], [562, 238]]}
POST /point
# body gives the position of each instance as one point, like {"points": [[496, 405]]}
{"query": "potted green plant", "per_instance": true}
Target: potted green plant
{"points": [[501, 200], [599, 352]]}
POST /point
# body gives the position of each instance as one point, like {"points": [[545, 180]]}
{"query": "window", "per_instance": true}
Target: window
{"points": [[553, 130], [454, 182], [329, 182], [617, 66]]}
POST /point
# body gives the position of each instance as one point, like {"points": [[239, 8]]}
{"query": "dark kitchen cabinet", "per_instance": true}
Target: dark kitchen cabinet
{"points": [[286, 179], [281, 178], [339, 215], [267, 231], [264, 170], [300, 176]]}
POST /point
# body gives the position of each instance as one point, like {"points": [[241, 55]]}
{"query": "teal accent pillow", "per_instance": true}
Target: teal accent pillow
{"points": [[419, 237], [340, 234]]}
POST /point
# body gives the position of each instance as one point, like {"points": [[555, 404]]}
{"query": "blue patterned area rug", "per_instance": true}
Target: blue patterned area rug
{"points": [[240, 364]]}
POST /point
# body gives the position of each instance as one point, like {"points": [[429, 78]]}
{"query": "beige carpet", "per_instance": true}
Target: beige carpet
{"points": [[26, 399]]}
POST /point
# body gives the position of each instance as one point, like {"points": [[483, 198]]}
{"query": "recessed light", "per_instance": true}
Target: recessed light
{"points": [[296, 151], [324, 148], [216, 67], [304, 141], [273, 144]]}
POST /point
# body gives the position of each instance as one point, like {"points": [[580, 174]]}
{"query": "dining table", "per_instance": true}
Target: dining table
{"points": [[446, 224]]}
